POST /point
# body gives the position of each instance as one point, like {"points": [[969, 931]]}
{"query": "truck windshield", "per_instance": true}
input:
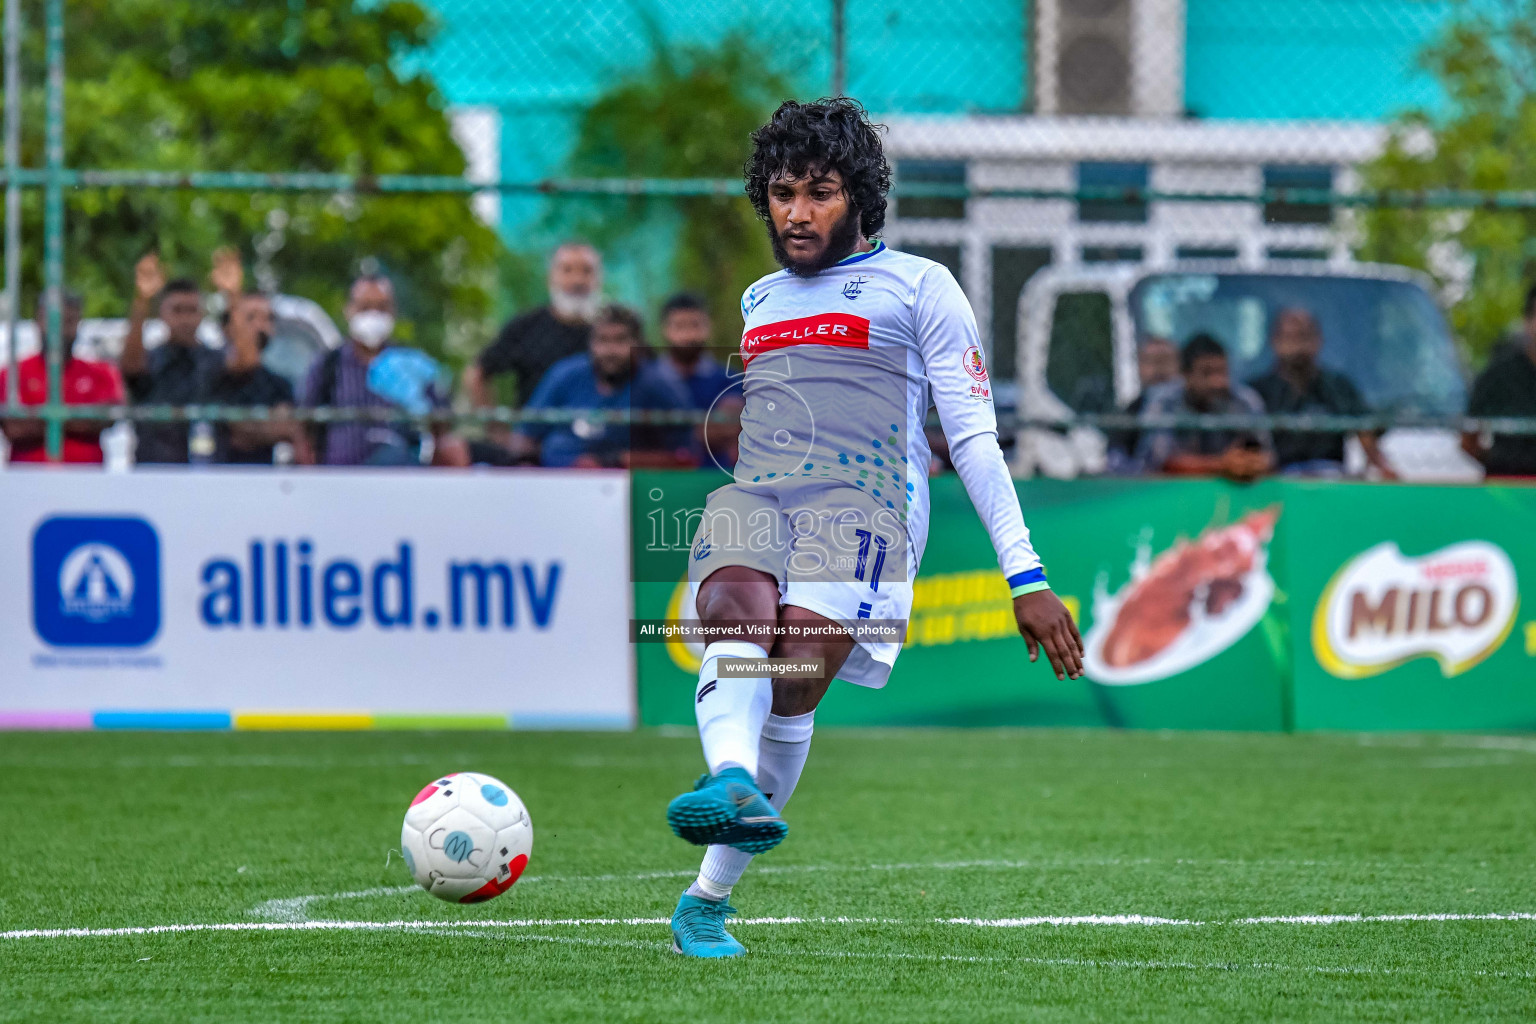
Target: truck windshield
{"points": [[1387, 337]]}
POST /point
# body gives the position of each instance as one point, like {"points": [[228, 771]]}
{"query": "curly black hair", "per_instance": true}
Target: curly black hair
{"points": [[828, 134]]}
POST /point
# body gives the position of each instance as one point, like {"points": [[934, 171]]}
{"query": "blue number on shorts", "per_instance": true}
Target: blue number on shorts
{"points": [[858, 572]]}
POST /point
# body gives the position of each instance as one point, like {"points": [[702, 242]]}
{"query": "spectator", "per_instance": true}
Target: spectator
{"points": [[1507, 387], [1157, 362], [86, 382], [239, 379], [369, 371], [171, 374], [687, 365], [1207, 388], [604, 378], [528, 345], [1299, 385]]}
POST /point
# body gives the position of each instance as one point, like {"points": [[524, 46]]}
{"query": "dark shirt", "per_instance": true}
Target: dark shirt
{"points": [[173, 375], [571, 384], [1507, 388], [1158, 444], [1329, 394], [257, 387], [529, 345], [341, 379]]}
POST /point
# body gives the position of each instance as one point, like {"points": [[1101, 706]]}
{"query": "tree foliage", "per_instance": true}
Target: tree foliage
{"points": [[687, 114], [260, 85], [1485, 138]]}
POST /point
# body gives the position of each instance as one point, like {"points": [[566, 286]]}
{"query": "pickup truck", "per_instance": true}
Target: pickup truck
{"points": [[1079, 327]]}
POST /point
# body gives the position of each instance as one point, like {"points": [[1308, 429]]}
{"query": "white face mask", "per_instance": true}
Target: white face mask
{"points": [[576, 307], [371, 327]]}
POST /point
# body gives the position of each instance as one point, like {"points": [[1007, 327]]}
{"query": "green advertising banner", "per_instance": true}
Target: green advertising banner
{"points": [[1413, 618], [1203, 605]]}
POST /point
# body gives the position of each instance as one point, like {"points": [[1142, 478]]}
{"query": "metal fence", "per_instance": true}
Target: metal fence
{"points": [[1025, 134]]}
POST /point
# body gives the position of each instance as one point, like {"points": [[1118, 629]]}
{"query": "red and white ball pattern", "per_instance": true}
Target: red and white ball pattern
{"points": [[467, 837]]}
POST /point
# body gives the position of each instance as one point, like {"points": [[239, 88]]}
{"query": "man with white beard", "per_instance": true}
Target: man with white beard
{"points": [[534, 341]]}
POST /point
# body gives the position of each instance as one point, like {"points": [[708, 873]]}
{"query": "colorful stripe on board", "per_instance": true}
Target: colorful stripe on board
{"points": [[288, 720], [160, 720], [276, 720], [32, 720]]}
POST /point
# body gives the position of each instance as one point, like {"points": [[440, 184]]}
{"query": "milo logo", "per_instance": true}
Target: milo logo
{"points": [[1383, 608]]}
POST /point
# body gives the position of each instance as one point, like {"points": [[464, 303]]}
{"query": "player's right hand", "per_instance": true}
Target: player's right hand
{"points": [[1045, 622]]}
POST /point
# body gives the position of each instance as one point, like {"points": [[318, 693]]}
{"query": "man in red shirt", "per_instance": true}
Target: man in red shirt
{"points": [[86, 382]]}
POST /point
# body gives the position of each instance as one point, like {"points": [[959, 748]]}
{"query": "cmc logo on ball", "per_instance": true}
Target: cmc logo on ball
{"points": [[95, 581], [1383, 608]]}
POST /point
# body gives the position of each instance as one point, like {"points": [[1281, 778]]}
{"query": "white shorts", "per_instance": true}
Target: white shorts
{"points": [[832, 547]]}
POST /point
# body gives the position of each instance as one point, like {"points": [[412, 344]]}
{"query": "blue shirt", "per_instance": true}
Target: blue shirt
{"points": [[707, 382], [571, 384]]}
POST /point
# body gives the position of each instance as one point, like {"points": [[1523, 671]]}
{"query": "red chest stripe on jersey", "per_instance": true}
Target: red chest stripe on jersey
{"points": [[842, 330]]}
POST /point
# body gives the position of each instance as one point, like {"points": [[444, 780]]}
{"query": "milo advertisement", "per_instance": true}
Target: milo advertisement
{"points": [[1414, 618], [1203, 605]]}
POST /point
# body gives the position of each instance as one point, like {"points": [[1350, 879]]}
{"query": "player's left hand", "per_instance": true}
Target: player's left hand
{"points": [[1045, 622]]}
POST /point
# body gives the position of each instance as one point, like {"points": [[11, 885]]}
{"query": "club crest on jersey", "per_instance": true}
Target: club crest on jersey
{"points": [[981, 387], [853, 288], [974, 365]]}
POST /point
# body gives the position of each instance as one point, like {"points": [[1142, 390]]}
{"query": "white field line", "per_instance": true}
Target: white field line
{"points": [[1093, 920], [1137, 965], [1155, 922], [296, 908], [1445, 741]]}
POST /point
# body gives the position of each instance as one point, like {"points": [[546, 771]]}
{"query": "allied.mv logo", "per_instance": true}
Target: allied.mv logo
{"points": [[96, 581]]}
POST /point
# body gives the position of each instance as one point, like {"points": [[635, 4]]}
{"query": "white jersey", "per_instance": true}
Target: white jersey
{"points": [[840, 371]]}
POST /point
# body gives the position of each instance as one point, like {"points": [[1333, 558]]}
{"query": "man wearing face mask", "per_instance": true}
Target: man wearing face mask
{"points": [[239, 379], [531, 343], [688, 366], [604, 378], [172, 373], [370, 371]]}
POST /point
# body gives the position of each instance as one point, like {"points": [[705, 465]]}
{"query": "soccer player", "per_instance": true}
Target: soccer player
{"points": [[820, 535]]}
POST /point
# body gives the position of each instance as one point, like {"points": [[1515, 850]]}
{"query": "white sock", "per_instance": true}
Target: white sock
{"points": [[781, 758], [731, 712]]}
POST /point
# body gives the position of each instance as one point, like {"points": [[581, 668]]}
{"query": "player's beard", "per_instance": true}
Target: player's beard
{"points": [[841, 241]]}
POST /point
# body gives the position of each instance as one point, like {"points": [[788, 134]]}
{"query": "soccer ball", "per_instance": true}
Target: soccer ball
{"points": [[466, 837]]}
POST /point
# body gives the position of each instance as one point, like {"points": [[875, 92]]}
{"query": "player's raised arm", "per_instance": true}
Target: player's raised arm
{"points": [[962, 392]]}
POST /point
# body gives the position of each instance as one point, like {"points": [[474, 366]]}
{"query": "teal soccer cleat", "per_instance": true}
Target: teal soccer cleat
{"points": [[698, 929], [730, 810]]}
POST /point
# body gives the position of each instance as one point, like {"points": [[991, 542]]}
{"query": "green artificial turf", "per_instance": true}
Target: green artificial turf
{"points": [[911, 828]]}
